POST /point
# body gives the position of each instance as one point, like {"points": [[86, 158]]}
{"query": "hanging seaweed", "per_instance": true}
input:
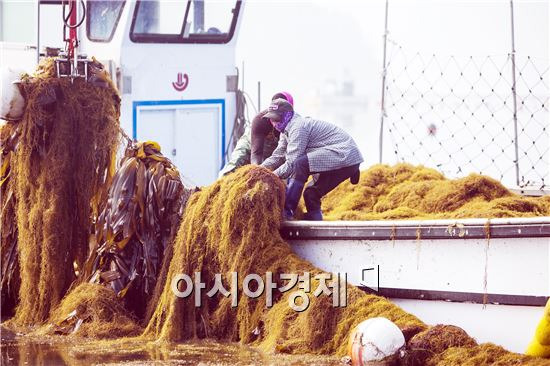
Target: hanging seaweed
{"points": [[133, 234], [10, 279], [61, 166]]}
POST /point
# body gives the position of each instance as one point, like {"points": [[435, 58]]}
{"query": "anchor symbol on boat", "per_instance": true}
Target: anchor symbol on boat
{"points": [[182, 82]]}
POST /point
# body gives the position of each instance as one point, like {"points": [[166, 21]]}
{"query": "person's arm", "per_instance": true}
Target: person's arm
{"points": [[297, 144], [260, 128], [278, 157], [240, 153]]}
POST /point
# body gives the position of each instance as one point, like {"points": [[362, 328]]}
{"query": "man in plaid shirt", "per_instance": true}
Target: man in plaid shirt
{"points": [[258, 141], [308, 146]]}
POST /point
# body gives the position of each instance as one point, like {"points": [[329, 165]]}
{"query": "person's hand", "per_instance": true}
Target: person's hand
{"points": [[224, 172]]}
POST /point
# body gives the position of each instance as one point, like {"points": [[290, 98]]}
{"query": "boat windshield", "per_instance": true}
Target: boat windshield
{"points": [[193, 21], [102, 19]]}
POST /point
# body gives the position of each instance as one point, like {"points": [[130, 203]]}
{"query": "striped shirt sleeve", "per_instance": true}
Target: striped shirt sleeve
{"points": [[297, 144], [278, 157]]}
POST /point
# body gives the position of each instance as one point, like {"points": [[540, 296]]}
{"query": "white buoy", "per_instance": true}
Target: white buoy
{"points": [[13, 102], [375, 340]]}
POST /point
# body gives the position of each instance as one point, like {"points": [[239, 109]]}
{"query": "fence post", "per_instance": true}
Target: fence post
{"points": [[259, 95], [382, 102], [514, 93]]}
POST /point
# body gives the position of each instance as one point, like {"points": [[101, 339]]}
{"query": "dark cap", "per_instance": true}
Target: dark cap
{"points": [[277, 108]]}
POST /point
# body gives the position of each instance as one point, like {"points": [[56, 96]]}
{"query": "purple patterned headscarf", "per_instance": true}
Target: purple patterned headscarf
{"points": [[285, 118]]}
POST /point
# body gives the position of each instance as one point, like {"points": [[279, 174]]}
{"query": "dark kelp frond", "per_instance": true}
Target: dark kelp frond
{"points": [[137, 226]]}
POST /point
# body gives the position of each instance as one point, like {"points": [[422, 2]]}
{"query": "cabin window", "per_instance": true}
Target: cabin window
{"points": [[102, 19], [193, 21]]}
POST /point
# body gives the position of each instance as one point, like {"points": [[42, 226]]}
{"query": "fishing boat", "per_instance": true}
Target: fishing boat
{"points": [[490, 277]]}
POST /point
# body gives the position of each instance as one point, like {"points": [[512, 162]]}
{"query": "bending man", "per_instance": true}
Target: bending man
{"points": [[308, 146]]}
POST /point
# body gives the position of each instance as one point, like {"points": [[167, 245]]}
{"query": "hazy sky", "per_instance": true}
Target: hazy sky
{"points": [[295, 45], [300, 45]]}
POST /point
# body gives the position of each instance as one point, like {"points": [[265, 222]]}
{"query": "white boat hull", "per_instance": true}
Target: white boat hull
{"points": [[492, 279]]}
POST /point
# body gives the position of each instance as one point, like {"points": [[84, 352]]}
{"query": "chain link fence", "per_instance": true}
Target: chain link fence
{"points": [[460, 114]]}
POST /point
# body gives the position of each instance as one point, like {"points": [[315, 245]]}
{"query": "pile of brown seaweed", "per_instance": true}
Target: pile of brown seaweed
{"points": [[233, 226], [404, 191]]}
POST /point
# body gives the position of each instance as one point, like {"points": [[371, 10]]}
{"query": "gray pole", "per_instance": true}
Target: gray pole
{"points": [[514, 93], [38, 32], [383, 106], [242, 79], [1, 32], [259, 92]]}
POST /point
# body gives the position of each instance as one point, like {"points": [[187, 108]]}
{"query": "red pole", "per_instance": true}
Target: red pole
{"points": [[72, 29]]}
